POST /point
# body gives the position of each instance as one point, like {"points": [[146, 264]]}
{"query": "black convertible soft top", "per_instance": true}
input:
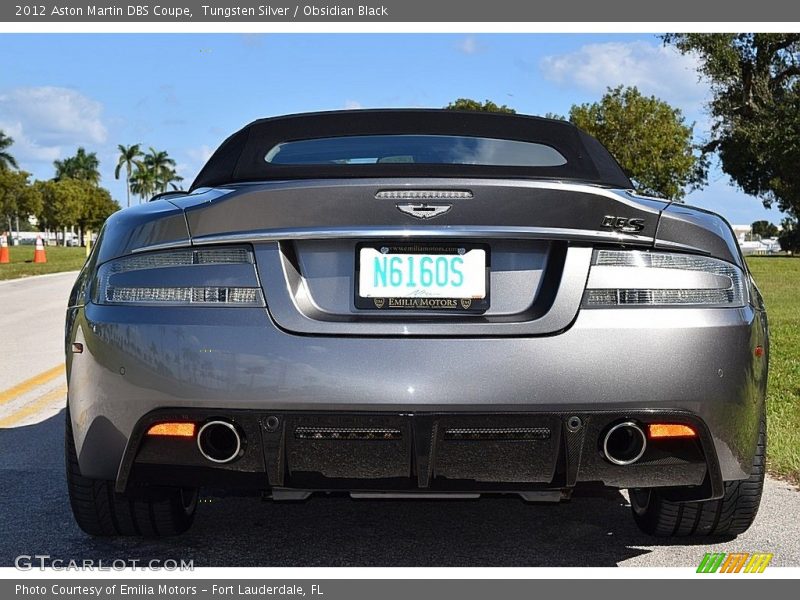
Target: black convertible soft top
{"points": [[241, 158]]}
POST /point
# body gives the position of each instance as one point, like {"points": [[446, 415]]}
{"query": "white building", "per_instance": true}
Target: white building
{"points": [[742, 232], [754, 246]]}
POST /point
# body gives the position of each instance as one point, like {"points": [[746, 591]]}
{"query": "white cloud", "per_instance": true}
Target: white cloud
{"points": [[47, 121], [200, 154], [469, 45], [25, 148], [197, 158], [352, 105], [655, 69], [188, 172]]}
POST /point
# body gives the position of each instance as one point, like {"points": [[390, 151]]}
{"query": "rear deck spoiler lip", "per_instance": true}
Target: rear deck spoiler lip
{"points": [[626, 196]]}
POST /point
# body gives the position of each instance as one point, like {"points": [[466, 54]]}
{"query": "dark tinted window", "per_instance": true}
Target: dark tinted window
{"points": [[417, 149]]}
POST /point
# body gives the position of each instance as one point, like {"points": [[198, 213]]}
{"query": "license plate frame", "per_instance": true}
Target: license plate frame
{"points": [[428, 305]]}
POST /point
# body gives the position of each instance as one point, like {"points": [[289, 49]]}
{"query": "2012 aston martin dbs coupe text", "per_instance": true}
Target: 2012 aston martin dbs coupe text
{"points": [[415, 303]]}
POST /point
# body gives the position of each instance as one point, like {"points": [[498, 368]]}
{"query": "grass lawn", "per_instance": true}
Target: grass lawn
{"points": [[778, 278], [58, 259]]}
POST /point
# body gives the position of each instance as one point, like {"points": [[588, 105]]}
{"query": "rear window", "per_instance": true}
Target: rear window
{"points": [[414, 149]]}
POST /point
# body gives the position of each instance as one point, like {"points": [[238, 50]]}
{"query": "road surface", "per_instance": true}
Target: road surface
{"points": [[246, 531]]}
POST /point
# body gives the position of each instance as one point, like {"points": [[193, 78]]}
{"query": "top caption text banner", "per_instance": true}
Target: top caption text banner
{"points": [[472, 11]]}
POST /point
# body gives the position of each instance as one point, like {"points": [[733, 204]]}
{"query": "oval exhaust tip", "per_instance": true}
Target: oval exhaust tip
{"points": [[219, 441], [624, 443]]}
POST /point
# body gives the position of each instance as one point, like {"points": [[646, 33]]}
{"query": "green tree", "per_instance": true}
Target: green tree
{"points": [[69, 203], [486, 106], [18, 198], [96, 206], [63, 203], [649, 139], [6, 160], [755, 107], [12, 185], [764, 229], [128, 159], [84, 166], [789, 237]]}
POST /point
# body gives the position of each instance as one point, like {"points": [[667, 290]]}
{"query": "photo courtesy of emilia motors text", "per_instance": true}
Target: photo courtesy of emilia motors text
{"points": [[398, 299]]}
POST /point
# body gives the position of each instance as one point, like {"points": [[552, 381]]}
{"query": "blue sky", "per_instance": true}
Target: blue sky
{"points": [[185, 93]]}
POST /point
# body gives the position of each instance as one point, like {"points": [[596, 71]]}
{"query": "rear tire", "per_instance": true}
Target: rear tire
{"points": [[100, 511], [729, 516]]}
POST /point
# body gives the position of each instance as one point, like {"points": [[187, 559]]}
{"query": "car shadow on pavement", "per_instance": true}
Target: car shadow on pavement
{"points": [[590, 530]]}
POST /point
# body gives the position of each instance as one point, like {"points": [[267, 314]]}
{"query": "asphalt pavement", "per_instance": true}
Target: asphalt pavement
{"points": [[32, 377], [590, 530]]}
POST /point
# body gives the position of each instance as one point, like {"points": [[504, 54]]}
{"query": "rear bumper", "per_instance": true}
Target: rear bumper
{"points": [[609, 364], [422, 452]]}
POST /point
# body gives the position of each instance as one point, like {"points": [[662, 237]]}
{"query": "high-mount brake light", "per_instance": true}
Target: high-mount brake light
{"points": [[424, 195]]}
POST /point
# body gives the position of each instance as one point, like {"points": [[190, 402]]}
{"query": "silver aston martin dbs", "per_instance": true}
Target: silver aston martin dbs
{"points": [[415, 303]]}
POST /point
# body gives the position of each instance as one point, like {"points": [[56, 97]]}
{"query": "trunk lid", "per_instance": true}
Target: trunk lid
{"points": [[538, 238]]}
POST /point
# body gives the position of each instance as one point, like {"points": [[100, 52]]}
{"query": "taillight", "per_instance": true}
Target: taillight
{"points": [[637, 278], [218, 276]]}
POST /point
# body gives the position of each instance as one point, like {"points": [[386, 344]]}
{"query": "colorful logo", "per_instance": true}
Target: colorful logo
{"points": [[736, 562]]}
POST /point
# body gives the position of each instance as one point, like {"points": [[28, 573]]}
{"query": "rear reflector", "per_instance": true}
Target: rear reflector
{"points": [[670, 430], [172, 429], [346, 433]]}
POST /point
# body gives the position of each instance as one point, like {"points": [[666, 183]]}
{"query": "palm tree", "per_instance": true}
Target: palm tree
{"points": [[162, 166], [83, 166], [169, 177], [128, 158], [6, 160], [143, 182]]}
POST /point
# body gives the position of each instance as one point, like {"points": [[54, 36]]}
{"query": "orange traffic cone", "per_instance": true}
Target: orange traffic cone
{"points": [[4, 249], [38, 254]]}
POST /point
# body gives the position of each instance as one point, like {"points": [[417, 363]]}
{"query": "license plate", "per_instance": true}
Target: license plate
{"points": [[422, 277]]}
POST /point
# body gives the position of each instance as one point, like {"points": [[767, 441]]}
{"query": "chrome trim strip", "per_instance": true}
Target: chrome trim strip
{"points": [[311, 233], [319, 233], [163, 246], [667, 245]]}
